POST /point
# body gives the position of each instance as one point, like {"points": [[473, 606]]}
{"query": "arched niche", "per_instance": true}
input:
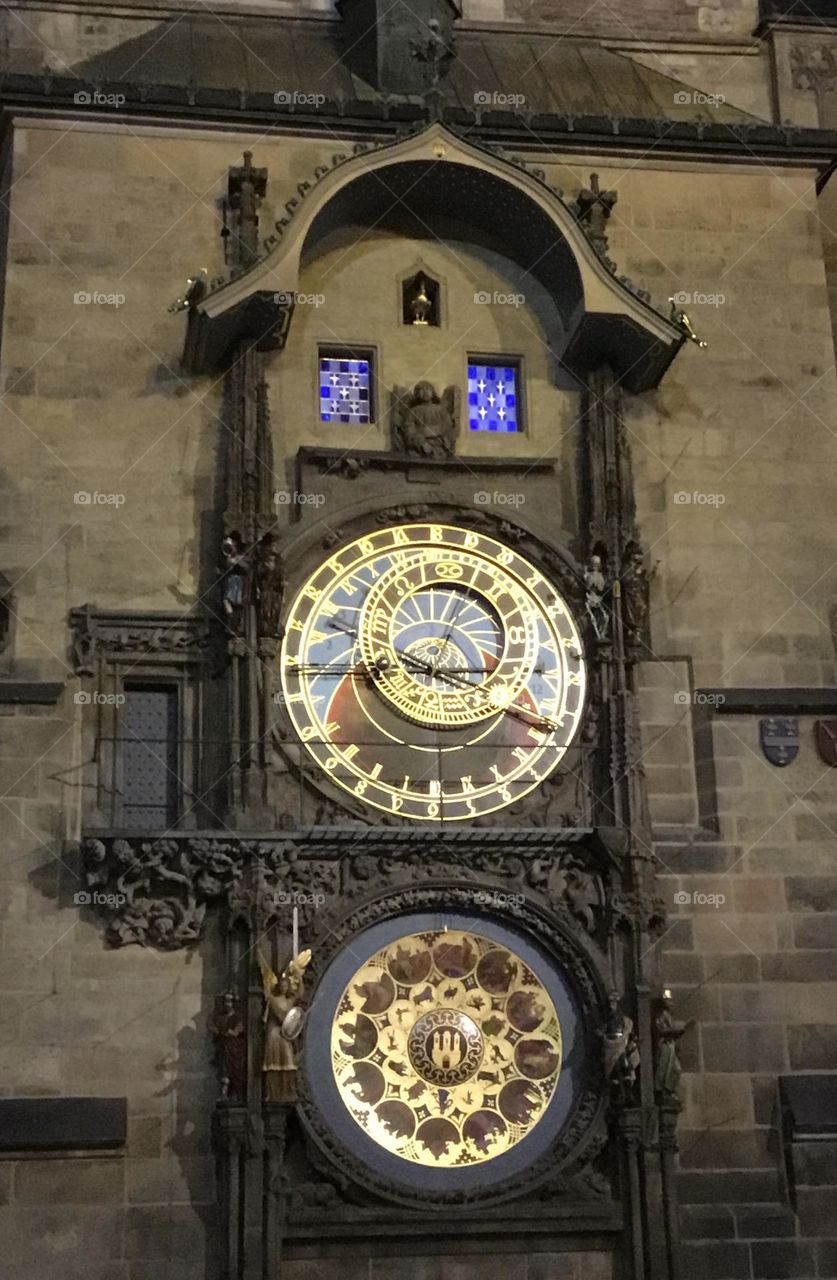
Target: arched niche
{"points": [[504, 207]]}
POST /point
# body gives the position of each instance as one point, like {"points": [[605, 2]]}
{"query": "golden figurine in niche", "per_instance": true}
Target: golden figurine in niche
{"points": [[421, 305]]}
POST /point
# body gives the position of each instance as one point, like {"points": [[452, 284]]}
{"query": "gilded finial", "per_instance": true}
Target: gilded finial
{"points": [[680, 318], [195, 289]]}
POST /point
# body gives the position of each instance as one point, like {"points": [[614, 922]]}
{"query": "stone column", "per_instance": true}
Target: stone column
{"points": [[610, 533]]}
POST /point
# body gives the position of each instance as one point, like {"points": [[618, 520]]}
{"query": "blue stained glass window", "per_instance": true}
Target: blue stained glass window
{"points": [[493, 397], [345, 392]]}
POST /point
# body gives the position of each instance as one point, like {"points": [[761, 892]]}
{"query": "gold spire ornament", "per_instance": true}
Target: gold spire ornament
{"points": [[680, 318]]}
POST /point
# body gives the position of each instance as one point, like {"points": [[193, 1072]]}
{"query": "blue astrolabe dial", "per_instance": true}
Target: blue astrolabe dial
{"points": [[452, 639], [432, 672], [422, 628]]}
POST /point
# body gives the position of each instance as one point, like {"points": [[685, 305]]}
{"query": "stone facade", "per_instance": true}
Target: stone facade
{"points": [[110, 495]]}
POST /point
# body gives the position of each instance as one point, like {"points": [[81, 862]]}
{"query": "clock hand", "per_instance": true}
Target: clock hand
{"points": [[511, 708], [338, 626], [449, 674]]}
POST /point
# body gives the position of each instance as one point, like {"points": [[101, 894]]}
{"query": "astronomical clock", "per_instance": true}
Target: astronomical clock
{"points": [[432, 689], [432, 860], [432, 672]]}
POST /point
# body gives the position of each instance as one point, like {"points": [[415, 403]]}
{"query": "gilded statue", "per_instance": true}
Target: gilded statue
{"points": [[284, 1016], [424, 423]]}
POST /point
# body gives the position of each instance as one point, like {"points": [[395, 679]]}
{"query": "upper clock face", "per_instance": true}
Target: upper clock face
{"points": [[432, 672]]}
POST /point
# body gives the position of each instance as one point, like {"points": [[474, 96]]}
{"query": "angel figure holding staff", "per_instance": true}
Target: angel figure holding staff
{"points": [[284, 1015]]}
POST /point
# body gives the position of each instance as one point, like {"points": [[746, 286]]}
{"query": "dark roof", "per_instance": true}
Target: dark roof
{"points": [[803, 12], [548, 76]]}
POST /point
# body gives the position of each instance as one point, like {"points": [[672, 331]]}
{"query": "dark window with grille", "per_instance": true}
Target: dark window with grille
{"points": [[149, 757]]}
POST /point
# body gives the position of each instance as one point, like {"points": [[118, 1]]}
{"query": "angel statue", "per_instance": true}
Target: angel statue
{"points": [[423, 423], [284, 1016]]}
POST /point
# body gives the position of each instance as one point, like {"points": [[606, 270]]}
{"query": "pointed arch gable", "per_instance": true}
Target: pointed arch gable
{"points": [[500, 202]]}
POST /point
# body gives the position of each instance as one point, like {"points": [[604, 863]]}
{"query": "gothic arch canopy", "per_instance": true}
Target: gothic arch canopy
{"points": [[503, 205]]}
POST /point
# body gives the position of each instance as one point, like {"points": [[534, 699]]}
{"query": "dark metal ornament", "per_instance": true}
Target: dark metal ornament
{"points": [[825, 736], [779, 738]]}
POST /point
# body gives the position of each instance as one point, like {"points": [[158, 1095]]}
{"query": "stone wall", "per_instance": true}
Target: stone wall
{"points": [[80, 1020], [638, 18], [592, 1265], [733, 456], [68, 37]]}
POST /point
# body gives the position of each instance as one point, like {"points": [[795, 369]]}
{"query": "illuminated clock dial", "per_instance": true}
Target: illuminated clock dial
{"points": [[432, 672], [446, 1049]]}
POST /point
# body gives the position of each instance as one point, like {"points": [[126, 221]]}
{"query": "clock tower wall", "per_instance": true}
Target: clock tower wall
{"points": [[350, 295]]}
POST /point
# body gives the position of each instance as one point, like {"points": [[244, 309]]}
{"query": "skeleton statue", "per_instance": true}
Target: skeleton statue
{"points": [[423, 423], [596, 585], [284, 1017]]}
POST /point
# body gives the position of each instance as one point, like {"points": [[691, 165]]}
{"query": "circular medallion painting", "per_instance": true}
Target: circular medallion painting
{"points": [[446, 1048]]}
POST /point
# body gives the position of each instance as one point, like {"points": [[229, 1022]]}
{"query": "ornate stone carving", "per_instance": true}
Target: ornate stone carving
{"points": [[156, 892], [424, 423], [434, 53], [592, 208], [638, 910], [104, 634], [814, 69], [568, 885], [246, 188]]}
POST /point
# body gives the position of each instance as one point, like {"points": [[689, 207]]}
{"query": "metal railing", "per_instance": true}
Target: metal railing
{"points": [[156, 784]]}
